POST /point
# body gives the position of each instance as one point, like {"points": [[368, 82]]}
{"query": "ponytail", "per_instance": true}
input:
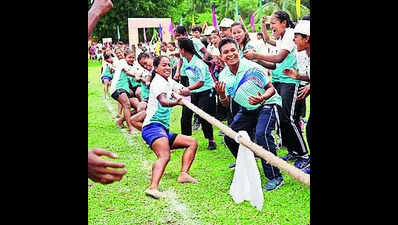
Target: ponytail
{"points": [[284, 16]]}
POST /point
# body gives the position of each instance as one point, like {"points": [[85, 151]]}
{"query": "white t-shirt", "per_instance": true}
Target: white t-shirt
{"points": [[286, 42], [155, 112], [119, 65], [303, 63], [213, 50]]}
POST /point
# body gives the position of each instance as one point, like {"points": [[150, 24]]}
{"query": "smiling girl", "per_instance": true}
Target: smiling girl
{"points": [[156, 125]]}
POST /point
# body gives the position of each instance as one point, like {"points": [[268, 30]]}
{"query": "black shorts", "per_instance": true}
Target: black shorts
{"points": [[117, 92]]}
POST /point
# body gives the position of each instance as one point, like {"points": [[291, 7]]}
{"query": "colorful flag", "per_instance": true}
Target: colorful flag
{"points": [[144, 35], [155, 35], [160, 32], [214, 17], [118, 33], [252, 22], [157, 48], [298, 8], [171, 29], [236, 12]]}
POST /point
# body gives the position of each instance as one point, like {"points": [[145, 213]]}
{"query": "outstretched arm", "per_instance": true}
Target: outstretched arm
{"points": [[98, 9], [98, 170]]}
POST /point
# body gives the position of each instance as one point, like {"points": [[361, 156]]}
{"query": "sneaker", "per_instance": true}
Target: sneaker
{"points": [[274, 183], [232, 166], [196, 124], [212, 145], [290, 157], [302, 163], [307, 170]]}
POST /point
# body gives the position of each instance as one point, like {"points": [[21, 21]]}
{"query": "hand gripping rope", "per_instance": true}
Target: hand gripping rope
{"points": [[256, 149]]}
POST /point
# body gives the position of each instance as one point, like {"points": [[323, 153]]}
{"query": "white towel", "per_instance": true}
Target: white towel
{"points": [[246, 184]]}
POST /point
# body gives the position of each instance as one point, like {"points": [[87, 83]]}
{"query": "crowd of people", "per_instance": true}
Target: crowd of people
{"points": [[210, 66]]}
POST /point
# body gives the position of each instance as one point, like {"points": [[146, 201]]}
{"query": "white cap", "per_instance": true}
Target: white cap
{"points": [[226, 22], [208, 30], [302, 27]]}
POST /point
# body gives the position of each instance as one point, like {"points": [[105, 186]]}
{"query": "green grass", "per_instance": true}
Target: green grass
{"points": [[208, 202]]}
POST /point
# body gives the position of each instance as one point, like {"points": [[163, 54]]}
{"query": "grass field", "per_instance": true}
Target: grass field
{"points": [[208, 202]]}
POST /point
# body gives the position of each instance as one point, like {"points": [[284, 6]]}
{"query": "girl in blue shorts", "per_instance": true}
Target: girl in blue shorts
{"points": [[155, 130], [107, 73]]}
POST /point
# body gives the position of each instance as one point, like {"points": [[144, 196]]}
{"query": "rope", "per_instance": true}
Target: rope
{"points": [[256, 149]]}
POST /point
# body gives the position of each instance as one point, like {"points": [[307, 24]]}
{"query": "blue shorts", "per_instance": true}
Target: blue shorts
{"points": [[153, 131], [105, 77]]}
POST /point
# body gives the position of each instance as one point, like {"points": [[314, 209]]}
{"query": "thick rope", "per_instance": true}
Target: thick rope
{"points": [[258, 150]]}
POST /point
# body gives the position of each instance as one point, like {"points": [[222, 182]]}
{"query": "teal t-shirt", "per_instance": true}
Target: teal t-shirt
{"points": [[231, 81], [197, 44], [123, 82], [289, 62], [144, 90], [183, 66], [107, 72], [197, 70]]}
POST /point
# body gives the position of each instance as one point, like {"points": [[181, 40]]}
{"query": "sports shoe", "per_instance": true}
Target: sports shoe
{"points": [[290, 157], [307, 170], [232, 166], [274, 183], [212, 145], [302, 163], [196, 124]]}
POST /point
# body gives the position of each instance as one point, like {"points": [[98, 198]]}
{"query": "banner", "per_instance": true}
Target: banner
{"points": [[252, 22], [214, 17], [298, 8]]}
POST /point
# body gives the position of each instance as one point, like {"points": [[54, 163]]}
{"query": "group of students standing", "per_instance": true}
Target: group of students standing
{"points": [[209, 69]]}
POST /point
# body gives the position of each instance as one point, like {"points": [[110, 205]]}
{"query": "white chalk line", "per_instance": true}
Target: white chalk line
{"points": [[188, 217]]}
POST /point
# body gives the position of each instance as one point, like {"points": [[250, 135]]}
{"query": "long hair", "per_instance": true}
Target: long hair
{"points": [[187, 45], [284, 16], [247, 37]]}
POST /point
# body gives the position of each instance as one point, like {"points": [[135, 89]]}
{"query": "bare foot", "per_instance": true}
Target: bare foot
{"points": [[185, 178], [131, 131], [154, 193], [120, 124]]}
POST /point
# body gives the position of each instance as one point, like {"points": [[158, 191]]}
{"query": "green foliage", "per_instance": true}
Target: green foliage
{"points": [[177, 9]]}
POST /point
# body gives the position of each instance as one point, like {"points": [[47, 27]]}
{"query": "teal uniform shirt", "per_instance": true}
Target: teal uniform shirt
{"points": [[197, 44], [231, 81], [107, 72], [197, 71]]}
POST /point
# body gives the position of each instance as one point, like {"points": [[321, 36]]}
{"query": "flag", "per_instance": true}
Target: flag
{"points": [[160, 32], [171, 28], [298, 8], [252, 22], [144, 35], [118, 33], [261, 10], [157, 49], [214, 17], [155, 34], [236, 12]]}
